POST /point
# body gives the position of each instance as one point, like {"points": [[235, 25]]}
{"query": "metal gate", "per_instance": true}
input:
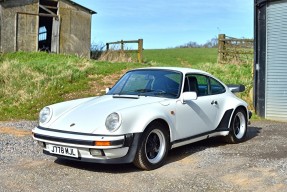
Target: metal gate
{"points": [[276, 61]]}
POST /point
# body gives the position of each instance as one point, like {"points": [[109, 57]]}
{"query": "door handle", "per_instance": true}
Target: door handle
{"points": [[214, 102]]}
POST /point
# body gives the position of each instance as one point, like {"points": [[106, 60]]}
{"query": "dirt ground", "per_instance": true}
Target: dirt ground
{"points": [[258, 164]]}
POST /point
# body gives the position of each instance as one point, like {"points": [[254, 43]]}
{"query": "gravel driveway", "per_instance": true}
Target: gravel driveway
{"points": [[258, 164]]}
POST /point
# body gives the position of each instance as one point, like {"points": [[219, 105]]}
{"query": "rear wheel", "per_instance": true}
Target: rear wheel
{"points": [[153, 147], [238, 127]]}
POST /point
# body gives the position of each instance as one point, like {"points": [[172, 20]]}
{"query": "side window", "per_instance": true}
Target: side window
{"points": [[197, 83], [216, 87]]}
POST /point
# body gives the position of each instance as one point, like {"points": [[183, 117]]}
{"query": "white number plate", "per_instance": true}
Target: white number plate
{"points": [[66, 151]]}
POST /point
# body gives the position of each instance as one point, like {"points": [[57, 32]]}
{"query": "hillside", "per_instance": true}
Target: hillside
{"points": [[29, 81]]}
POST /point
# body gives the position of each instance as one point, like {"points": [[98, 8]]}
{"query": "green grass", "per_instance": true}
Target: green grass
{"points": [[205, 59], [29, 81], [181, 57]]}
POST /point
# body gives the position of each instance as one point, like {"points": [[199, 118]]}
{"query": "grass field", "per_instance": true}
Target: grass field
{"points": [[181, 57], [29, 81]]}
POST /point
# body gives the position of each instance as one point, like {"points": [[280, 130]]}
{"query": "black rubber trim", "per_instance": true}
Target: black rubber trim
{"points": [[199, 135], [129, 158], [224, 123], [249, 114], [75, 141], [71, 132]]}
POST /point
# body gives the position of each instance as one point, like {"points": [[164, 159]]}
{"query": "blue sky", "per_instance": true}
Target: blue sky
{"points": [[169, 23]]}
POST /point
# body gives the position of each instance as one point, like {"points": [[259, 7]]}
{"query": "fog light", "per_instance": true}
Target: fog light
{"points": [[96, 152]]}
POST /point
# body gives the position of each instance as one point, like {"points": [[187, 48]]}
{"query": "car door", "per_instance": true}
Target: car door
{"points": [[199, 116]]}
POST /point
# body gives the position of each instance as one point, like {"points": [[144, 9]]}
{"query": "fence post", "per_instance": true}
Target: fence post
{"points": [[140, 50], [107, 46], [122, 45], [221, 47]]}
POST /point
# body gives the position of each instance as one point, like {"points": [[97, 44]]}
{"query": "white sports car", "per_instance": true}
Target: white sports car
{"points": [[145, 114]]}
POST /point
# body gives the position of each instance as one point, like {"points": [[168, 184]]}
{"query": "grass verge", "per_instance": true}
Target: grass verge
{"points": [[29, 81]]}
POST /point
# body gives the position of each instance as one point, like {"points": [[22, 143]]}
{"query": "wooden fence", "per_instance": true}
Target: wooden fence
{"points": [[234, 50], [122, 43]]}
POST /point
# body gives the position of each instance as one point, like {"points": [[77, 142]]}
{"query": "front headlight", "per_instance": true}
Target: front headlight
{"points": [[113, 122], [45, 115]]}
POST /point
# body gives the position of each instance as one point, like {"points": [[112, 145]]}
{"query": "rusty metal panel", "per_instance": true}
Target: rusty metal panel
{"points": [[75, 30]]}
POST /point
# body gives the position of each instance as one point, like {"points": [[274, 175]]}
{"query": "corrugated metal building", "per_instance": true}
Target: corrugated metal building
{"points": [[270, 77], [59, 26]]}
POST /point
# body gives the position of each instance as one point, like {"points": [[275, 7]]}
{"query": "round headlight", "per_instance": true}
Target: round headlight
{"points": [[113, 122], [45, 115]]}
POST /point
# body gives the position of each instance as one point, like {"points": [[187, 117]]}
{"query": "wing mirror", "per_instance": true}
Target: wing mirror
{"points": [[236, 88], [107, 89], [188, 96]]}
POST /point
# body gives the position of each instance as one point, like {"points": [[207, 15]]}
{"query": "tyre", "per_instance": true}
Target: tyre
{"points": [[153, 147], [238, 127]]}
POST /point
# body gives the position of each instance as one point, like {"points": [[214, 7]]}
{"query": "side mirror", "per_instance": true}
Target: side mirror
{"points": [[236, 88], [107, 90], [189, 96]]}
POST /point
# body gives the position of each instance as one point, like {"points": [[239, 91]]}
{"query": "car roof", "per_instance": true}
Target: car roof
{"points": [[179, 69]]}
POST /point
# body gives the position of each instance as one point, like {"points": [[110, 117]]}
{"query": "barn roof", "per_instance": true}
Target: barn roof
{"points": [[67, 1], [85, 8]]}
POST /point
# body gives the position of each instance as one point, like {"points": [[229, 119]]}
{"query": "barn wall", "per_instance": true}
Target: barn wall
{"points": [[75, 30], [27, 26]]}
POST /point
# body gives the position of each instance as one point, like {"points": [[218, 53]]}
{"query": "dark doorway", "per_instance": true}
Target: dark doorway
{"points": [[48, 11]]}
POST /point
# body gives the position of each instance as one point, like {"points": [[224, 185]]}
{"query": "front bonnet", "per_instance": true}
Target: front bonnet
{"points": [[90, 116]]}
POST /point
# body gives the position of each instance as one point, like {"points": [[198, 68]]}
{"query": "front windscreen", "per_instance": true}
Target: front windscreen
{"points": [[157, 83]]}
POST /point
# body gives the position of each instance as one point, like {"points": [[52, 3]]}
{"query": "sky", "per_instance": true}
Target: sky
{"points": [[169, 23]]}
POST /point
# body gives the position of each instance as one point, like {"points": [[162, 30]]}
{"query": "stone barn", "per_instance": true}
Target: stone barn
{"points": [[58, 26]]}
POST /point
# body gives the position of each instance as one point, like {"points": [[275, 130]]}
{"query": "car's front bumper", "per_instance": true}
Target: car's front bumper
{"points": [[89, 147]]}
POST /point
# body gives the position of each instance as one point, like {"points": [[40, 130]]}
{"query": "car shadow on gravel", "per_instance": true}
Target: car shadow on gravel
{"points": [[180, 153], [174, 155], [96, 167]]}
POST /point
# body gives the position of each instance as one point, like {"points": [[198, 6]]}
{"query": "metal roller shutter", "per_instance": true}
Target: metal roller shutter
{"points": [[276, 61]]}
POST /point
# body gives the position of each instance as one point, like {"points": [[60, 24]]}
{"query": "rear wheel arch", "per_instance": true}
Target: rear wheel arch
{"points": [[238, 125], [243, 108]]}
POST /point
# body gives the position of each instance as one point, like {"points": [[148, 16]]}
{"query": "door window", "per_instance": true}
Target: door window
{"points": [[196, 83], [216, 87]]}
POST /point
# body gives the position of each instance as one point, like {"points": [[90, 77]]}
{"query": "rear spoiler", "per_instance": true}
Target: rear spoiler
{"points": [[236, 88]]}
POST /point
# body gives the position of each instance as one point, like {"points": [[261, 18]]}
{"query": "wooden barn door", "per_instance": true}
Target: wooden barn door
{"points": [[26, 32], [55, 35]]}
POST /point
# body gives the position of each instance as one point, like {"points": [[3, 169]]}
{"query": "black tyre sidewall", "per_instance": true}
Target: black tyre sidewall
{"points": [[141, 160], [232, 131]]}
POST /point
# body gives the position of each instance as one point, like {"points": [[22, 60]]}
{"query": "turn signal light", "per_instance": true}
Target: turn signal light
{"points": [[102, 143]]}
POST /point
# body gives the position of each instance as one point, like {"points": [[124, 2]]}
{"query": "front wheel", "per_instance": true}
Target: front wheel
{"points": [[238, 127], [153, 148]]}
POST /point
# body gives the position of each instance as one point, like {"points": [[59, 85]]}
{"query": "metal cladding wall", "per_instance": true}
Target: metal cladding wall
{"points": [[276, 60]]}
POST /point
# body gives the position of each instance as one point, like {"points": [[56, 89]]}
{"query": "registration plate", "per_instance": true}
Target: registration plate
{"points": [[65, 151]]}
